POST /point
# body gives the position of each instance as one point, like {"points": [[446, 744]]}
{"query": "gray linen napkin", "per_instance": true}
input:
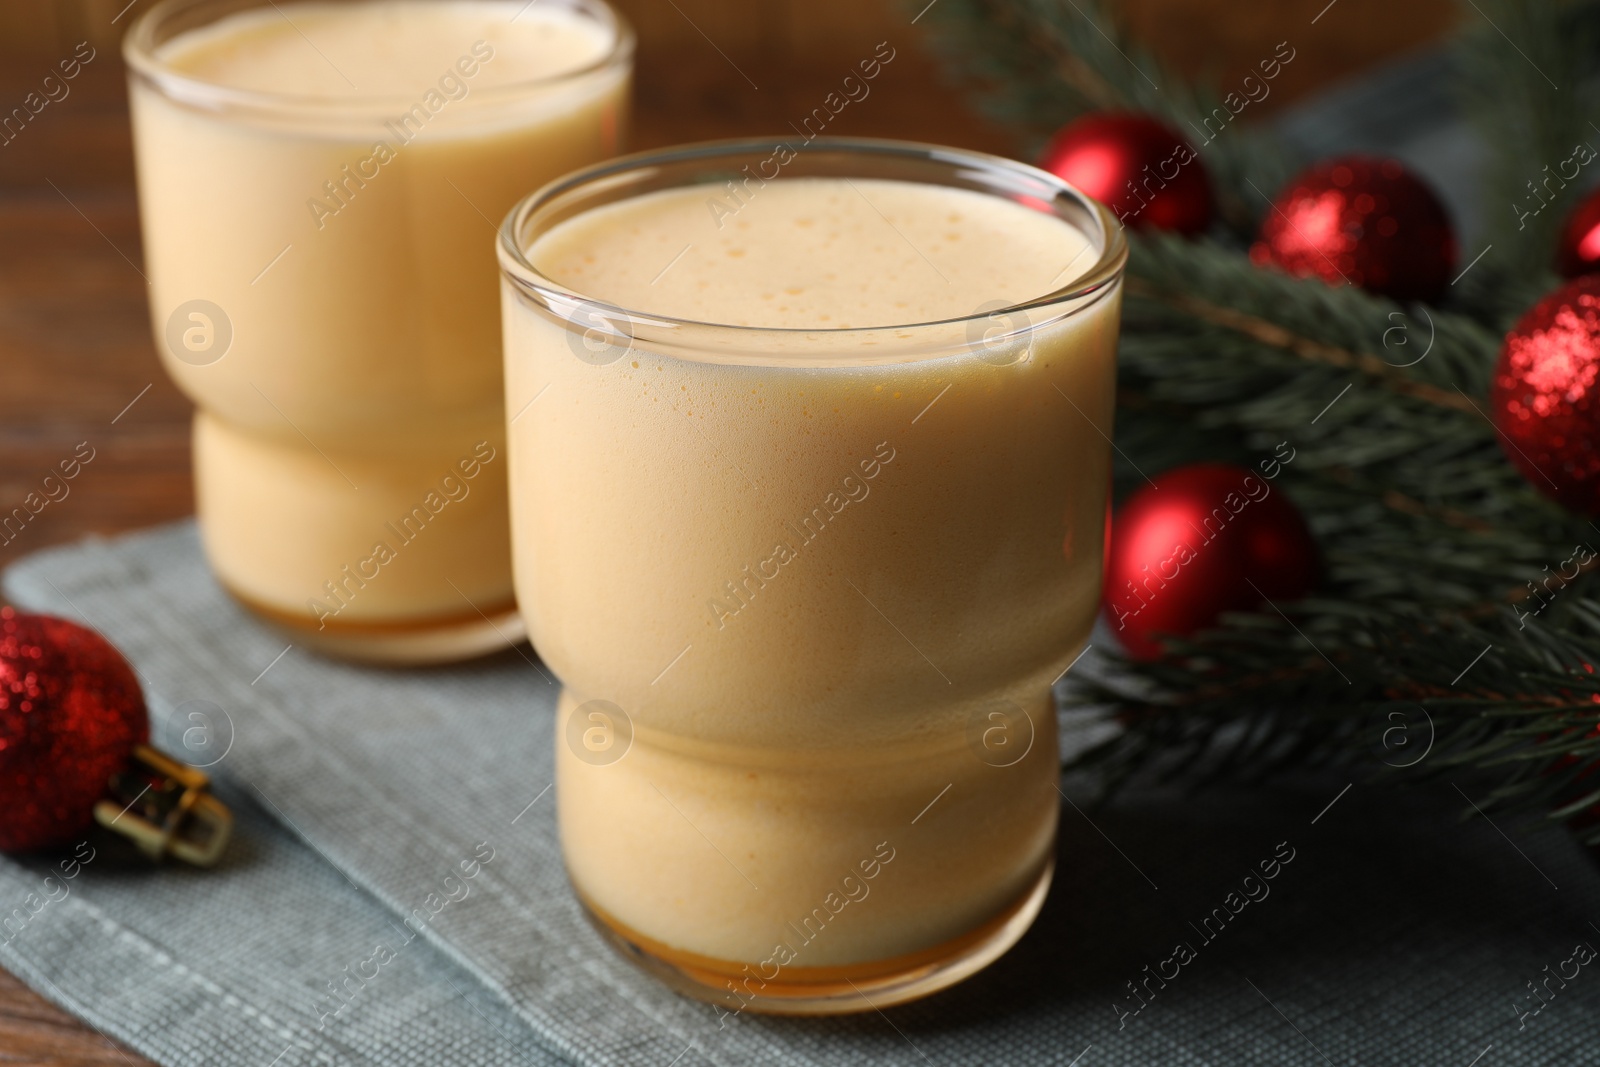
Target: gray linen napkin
{"points": [[234, 965], [1393, 932]]}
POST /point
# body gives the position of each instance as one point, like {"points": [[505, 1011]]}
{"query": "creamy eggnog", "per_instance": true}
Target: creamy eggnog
{"points": [[319, 184], [807, 541]]}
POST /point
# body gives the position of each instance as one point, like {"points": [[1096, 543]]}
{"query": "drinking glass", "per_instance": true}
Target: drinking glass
{"points": [[807, 592], [323, 286]]}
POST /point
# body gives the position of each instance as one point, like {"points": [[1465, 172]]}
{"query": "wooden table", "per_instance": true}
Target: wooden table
{"points": [[77, 363]]}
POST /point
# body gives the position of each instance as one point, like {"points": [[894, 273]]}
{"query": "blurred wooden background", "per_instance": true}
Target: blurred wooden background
{"points": [[795, 50], [75, 347]]}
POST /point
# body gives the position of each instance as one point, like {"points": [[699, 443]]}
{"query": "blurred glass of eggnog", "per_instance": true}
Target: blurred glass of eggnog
{"points": [[319, 185]]}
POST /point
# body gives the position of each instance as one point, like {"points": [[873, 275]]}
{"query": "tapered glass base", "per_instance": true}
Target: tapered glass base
{"points": [[827, 990], [403, 642]]}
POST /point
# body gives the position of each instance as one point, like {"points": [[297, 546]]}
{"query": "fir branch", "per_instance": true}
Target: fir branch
{"points": [[1438, 603], [1521, 65], [1307, 348], [1339, 325], [1037, 64], [1522, 73], [1525, 713], [1427, 531]]}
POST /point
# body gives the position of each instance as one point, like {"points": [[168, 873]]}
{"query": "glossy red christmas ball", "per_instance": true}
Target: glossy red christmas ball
{"points": [[70, 713], [1362, 220], [1578, 248], [1143, 170], [1545, 395], [1188, 548]]}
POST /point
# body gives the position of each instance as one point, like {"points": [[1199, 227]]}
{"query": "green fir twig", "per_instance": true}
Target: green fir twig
{"points": [[1459, 605]]}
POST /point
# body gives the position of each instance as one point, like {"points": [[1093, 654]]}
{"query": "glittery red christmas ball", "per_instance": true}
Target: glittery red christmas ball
{"points": [[1578, 248], [70, 713], [1204, 539], [1143, 170], [1545, 395], [1366, 221]]}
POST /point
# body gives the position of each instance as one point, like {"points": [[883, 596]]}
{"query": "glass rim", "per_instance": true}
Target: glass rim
{"points": [[1089, 286], [139, 52]]}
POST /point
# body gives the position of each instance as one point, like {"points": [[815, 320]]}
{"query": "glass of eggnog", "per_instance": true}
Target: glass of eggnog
{"points": [[808, 446], [317, 187]]}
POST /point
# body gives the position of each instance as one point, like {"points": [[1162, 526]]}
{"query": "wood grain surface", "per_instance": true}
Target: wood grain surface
{"points": [[77, 363]]}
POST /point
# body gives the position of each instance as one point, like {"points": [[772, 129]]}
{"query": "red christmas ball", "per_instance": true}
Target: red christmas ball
{"points": [[1578, 249], [1143, 170], [1366, 221], [70, 713], [1189, 547], [1545, 395]]}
